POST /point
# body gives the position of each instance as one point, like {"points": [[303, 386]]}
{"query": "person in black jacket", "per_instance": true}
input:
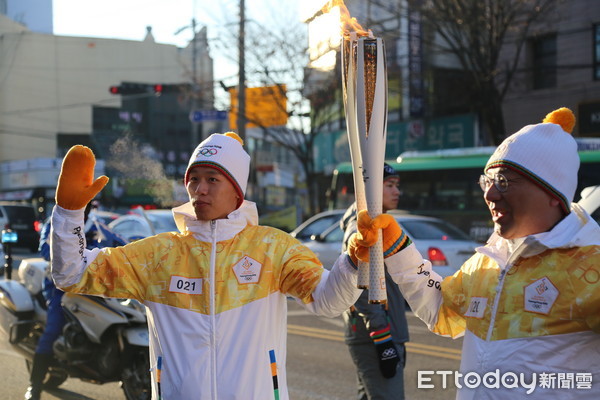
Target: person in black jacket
{"points": [[374, 333]]}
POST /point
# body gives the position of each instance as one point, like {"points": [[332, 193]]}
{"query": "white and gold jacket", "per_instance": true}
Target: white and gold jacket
{"points": [[524, 307], [215, 295]]}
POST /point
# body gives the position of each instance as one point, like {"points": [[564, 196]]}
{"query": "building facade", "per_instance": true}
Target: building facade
{"points": [[429, 107], [51, 88], [415, 122], [559, 66]]}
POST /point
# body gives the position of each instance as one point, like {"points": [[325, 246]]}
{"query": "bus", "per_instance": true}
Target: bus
{"points": [[445, 184]]}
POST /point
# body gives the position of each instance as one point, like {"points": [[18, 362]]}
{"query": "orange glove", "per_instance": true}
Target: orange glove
{"points": [[394, 239], [76, 185], [356, 250]]}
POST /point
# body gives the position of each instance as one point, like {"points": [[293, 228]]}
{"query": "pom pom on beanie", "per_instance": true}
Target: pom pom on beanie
{"points": [[563, 117]]}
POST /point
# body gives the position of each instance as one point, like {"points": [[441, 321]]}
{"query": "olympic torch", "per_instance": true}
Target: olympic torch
{"points": [[371, 96], [365, 83], [349, 88]]}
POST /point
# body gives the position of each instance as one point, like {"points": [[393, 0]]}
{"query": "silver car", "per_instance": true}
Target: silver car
{"points": [[317, 224], [446, 246], [143, 223], [590, 201]]}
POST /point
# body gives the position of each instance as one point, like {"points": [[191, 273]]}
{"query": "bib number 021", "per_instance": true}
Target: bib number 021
{"points": [[181, 284]]}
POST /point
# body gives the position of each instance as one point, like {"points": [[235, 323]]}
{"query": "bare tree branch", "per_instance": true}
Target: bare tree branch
{"points": [[481, 34]]}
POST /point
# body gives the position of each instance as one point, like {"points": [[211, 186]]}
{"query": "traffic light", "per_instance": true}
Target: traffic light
{"points": [[164, 88], [145, 88], [158, 89], [130, 88]]}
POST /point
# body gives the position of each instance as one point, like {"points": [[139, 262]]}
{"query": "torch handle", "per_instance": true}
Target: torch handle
{"points": [[377, 290]]}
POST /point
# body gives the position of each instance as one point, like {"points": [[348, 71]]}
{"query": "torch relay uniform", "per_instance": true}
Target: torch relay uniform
{"points": [[215, 294], [493, 301], [528, 305]]}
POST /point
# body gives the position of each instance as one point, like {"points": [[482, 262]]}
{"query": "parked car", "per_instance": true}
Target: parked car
{"points": [[140, 224], [21, 218], [446, 246], [317, 224], [106, 217], [590, 201]]}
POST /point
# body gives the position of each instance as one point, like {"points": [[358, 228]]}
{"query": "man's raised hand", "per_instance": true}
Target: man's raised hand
{"points": [[76, 185]]}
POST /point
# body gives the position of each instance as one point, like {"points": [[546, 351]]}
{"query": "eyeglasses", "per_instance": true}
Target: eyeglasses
{"points": [[499, 181]]}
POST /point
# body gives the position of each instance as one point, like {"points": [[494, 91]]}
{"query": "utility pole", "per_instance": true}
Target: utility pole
{"points": [[241, 116], [196, 127]]}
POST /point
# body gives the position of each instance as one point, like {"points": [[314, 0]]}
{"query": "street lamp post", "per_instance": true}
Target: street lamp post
{"points": [[196, 127]]}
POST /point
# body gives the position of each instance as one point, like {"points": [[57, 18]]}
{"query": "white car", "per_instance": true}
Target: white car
{"points": [[143, 223], [590, 201], [446, 246], [106, 217], [317, 224]]}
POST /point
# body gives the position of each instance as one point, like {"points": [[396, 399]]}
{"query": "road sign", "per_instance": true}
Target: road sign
{"points": [[208, 115], [265, 106]]}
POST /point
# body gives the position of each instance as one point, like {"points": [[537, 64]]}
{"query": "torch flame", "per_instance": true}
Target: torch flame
{"points": [[348, 25]]}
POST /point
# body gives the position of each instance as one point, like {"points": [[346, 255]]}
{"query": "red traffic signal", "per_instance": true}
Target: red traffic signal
{"points": [[131, 88], [144, 88], [164, 88]]}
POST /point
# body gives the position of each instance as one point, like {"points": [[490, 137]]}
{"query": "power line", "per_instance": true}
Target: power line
{"points": [[73, 105]]}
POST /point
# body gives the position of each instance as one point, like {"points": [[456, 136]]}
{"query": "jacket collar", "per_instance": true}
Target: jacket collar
{"points": [[227, 228]]}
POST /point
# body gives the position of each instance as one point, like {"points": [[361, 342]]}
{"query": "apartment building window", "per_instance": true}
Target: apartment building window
{"points": [[544, 62], [597, 52]]}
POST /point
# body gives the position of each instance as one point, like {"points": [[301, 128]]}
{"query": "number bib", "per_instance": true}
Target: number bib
{"points": [[181, 284], [476, 307]]}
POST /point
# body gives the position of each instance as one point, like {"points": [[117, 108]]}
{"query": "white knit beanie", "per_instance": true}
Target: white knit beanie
{"points": [[223, 152], [546, 153]]}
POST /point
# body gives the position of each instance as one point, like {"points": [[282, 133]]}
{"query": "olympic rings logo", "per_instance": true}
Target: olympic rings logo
{"points": [[207, 152]]}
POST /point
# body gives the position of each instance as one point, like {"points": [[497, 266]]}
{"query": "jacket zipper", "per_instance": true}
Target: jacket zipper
{"points": [[495, 305], [211, 283], [509, 264]]}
